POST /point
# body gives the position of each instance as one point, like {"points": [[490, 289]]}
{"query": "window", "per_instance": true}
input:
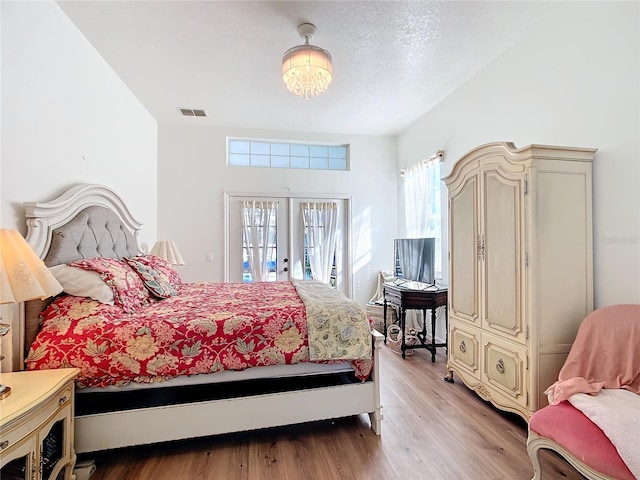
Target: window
{"points": [[267, 154], [422, 205]]}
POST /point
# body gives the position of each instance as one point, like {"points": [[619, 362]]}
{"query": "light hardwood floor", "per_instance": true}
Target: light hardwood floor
{"points": [[431, 430]]}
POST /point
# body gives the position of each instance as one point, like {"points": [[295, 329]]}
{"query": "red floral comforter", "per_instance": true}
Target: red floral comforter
{"points": [[207, 327]]}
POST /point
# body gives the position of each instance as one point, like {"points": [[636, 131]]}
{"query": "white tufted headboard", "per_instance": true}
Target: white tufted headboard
{"points": [[86, 221]]}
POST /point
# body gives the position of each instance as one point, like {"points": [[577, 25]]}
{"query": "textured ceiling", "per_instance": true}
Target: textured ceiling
{"points": [[392, 60]]}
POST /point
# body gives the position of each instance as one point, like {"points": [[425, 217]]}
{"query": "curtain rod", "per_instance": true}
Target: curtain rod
{"points": [[437, 155]]}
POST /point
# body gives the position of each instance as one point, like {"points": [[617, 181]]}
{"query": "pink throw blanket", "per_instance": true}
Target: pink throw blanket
{"points": [[605, 354]]}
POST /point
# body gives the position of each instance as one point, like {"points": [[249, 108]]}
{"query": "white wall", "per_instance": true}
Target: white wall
{"points": [[193, 176], [574, 82], [67, 118]]}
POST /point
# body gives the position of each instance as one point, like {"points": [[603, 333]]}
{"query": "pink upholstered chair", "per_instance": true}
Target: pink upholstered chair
{"points": [[605, 354]]}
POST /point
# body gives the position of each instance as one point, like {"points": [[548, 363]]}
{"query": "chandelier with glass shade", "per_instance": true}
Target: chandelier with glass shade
{"points": [[306, 69]]}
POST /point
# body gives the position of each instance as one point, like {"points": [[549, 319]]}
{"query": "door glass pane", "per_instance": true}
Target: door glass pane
{"points": [[264, 244], [307, 265], [318, 228]]}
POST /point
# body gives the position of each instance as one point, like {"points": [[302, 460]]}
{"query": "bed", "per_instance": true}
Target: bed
{"points": [[592, 419], [175, 360]]}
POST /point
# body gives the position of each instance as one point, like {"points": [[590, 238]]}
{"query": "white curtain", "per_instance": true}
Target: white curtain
{"points": [[320, 221], [417, 184], [259, 236], [421, 190]]}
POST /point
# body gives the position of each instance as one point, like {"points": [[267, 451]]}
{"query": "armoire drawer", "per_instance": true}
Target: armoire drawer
{"points": [[464, 343], [504, 367]]}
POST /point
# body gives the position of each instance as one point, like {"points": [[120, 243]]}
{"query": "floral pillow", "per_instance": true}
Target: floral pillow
{"points": [[129, 292], [161, 265], [157, 282]]}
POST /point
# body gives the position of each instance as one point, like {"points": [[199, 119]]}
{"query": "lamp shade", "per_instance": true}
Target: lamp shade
{"points": [[23, 276], [167, 250], [307, 70]]}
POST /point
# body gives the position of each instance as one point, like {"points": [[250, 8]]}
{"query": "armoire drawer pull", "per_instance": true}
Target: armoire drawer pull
{"points": [[4, 444], [463, 347], [62, 400], [500, 366]]}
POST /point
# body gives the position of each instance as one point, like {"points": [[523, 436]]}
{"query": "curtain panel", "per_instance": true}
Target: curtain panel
{"points": [[259, 236], [320, 221]]}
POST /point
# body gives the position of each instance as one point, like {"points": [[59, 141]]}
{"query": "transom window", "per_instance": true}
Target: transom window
{"points": [[263, 153]]}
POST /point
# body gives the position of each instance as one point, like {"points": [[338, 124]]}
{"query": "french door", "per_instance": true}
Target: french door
{"points": [[286, 248]]}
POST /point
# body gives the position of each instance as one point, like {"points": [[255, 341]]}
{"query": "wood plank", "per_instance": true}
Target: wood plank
{"points": [[431, 429]]}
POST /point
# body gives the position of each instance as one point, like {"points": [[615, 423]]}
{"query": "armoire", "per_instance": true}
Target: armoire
{"points": [[520, 268]]}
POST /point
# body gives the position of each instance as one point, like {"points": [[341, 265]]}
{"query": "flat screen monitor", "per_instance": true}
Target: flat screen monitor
{"points": [[415, 259]]}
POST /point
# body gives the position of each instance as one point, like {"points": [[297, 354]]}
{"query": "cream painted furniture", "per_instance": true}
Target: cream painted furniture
{"points": [[36, 425], [520, 268]]}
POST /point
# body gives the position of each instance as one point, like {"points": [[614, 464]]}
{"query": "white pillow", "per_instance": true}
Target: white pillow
{"points": [[83, 283]]}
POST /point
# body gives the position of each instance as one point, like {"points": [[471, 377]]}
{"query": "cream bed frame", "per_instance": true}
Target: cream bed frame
{"points": [[46, 223]]}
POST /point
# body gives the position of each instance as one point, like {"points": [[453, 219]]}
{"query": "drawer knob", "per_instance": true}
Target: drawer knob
{"points": [[462, 347], [62, 400], [4, 444], [500, 366]]}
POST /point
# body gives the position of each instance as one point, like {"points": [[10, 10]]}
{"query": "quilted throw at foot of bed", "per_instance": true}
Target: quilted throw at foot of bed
{"points": [[339, 328]]}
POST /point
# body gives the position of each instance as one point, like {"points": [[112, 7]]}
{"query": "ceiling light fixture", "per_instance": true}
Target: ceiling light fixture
{"points": [[306, 69]]}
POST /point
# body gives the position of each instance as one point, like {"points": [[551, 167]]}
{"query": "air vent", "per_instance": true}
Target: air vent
{"points": [[192, 112]]}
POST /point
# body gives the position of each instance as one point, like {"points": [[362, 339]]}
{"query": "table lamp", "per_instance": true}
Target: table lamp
{"points": [[23, 276], [167, 250]]}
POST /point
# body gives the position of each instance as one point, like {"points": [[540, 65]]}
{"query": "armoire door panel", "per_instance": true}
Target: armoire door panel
{"points": [[463, 296], [502, 249], [464, 347], [503, 367]]}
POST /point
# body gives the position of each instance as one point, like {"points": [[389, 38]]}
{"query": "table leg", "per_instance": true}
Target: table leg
{"points": [[384, 321], [403, 345], [433, 335]]}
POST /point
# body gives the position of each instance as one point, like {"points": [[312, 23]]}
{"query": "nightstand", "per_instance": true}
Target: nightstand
{"points": [[36, 425]]}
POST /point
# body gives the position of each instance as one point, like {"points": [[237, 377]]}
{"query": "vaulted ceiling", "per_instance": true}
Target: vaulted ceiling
{"points": [[392, 60]]}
